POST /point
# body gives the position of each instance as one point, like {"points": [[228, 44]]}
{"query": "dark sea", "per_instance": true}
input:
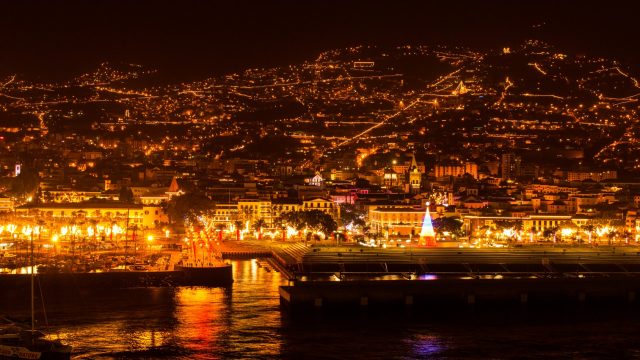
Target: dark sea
{"points": [[246, 321]]}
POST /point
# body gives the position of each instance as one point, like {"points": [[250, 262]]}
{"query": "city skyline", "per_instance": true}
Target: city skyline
{"points": [[321, 179]]}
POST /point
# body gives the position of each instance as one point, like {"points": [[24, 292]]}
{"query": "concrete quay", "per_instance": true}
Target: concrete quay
{"points": [[462, 292]]}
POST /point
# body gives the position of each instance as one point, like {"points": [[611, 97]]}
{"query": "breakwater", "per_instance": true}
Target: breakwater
{"points": [[52, 283], [620, 289]]}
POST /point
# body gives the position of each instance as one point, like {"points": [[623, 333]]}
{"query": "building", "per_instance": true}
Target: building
{"points": [[322, 204], [254, 209], [456, 170], [510, 166], [285, 205], [104, 213], [396, 220], [6, 204], [154, 216], [529, 223], [70, 195], [597, 176], [415, 176], [226, 214]]}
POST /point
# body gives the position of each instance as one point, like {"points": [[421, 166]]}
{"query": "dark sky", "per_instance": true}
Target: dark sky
{"points": [[195, 38]]}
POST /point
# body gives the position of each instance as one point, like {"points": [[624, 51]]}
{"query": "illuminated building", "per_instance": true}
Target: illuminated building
{"points": [[396, 220], [415, 176], [510, 166], [254, 209], [322, 204], [591, 175], [148, 216], [456, 170], [6, 204], [531, 222]]}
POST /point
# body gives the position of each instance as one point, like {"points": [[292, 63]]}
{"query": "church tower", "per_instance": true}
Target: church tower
{"points": [[415, 176]]}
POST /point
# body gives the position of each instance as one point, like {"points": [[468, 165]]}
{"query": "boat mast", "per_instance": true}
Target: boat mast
{"points": [[126, 234], [33, 322]]}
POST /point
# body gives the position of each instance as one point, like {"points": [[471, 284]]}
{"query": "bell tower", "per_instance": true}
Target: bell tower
{"points": [[415, 176]]}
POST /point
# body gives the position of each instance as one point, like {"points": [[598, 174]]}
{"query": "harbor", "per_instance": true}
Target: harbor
{"points": [[334, 277], [461, 292]]}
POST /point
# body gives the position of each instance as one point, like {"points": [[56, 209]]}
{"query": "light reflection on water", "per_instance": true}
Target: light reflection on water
{"points": [[245, 322], [170, 323]]}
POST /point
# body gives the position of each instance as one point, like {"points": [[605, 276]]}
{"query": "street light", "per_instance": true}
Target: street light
{"points": [[149, 241], [54, 240]]}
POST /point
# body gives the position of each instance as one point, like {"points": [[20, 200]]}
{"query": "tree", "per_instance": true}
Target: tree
{"points": [[448, 224], [220, 227], [362, 183], [611, 234], [126, 195], [314, 220], [237, 224], [187, 208], [258, 226], [25, 184], [352, 217], [550, 232], [589, 228]]}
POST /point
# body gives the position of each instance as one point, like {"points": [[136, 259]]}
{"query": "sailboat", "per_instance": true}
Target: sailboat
{"points": [[19, 343]]}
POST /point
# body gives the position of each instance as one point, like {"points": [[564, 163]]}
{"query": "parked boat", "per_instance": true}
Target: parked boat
{"points": [[19, 343]]}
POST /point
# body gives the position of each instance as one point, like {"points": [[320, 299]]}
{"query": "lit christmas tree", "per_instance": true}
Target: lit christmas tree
{"points": [[427, 235]]}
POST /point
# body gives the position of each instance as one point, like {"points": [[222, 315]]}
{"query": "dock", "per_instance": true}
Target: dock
{"points": [[16, 285], [331, 276], [460, 292]]}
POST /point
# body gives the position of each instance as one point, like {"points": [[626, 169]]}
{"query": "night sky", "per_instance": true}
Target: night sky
{"points": [[56, 39]]}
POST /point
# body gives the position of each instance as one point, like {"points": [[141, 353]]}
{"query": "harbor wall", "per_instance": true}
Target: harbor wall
{"points": [[52, 283], [318, 294]]}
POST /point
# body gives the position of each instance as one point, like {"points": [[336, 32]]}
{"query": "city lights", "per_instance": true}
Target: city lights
{"points": [[194, 180]]}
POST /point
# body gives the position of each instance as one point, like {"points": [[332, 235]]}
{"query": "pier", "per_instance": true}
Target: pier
{"points": [[545, 262], [461, 292], [332, 276]]}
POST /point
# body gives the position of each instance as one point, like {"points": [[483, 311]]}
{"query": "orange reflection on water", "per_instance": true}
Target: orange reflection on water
{"points": [[199, 313]]}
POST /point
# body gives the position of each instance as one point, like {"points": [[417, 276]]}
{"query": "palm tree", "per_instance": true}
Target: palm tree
{"points": [[258, 225], [134, 237], [94, 225], [550, 232], [283, 228], [220, 227], [237, 224], [518, 226], [610, 235], [40, 224], [589, 228], [72, 224]]}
